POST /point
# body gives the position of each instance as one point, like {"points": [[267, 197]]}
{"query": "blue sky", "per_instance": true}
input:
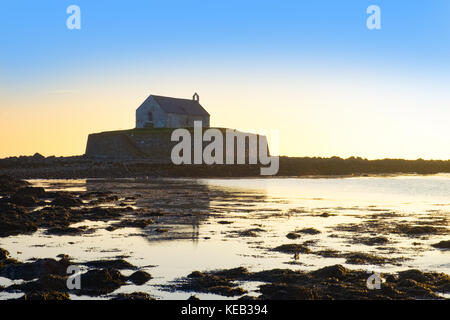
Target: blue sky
{"points": [[415, 34], [181, 46]]}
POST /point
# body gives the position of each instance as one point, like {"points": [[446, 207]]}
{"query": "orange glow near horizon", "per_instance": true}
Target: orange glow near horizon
{"points": [[337, 117]]}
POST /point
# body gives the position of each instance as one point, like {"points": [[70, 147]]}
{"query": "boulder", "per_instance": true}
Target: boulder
{"points": [[23, 200], [66, 202], [36, 192], [3, 254], [139, 277]]}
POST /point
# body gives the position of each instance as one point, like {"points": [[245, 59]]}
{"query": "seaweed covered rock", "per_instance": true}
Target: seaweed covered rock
{"points": [[9, 184], [36, 192], [439, 281], [14, 220], [97, 282], [209, 283], [35, 269], [235, 273], [364, 258], [51, 282], [282, 291], [311, 231], [279, 275], [23, 200], [336, 271], [133, 296], [442, 245], [133, 223], [293, 235], [140, 277], [66, 201], [72, 231], [49, 295], [111, 264], [3, 254], [292, 248], [413, 231]]}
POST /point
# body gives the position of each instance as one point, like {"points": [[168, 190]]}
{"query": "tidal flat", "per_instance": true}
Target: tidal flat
{"points": [[273, 238]]}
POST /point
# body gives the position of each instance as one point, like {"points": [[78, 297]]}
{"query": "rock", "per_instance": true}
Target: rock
{"points": [[36, 269], [23, 200], [364, 258], [133, 223], [391, 278], [103, 281], [52, 295], [209, 283], [3, 254], [60, 231], [336, 271], [224, 222], [111, 264], [9, 184], [309, 231], [437, 282], [416, 289], [328, 253], [253, 232], [112, 198], [227, 291], [49, 282], [36, 192], [54, 217], [54, 194], [416, 275], [133, 296], [442, 245], [235, 273], [63, 256], [248, 233], [196, 274], [140, 277], [66, 202], [278, 275], [15, 228], [14, 220], [102, 214], [284, 291], [292, 248], [417, 230], [374, 241], [247, 298], [332, 282], [293, 235]]}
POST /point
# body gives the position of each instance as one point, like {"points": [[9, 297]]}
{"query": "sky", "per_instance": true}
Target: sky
{"points": [[309, 70]]}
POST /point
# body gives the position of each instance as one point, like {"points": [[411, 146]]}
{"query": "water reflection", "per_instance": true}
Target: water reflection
{"points": [[225, 223], [188, 202]]}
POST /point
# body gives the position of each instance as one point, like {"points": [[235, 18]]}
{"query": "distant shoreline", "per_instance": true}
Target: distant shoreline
{"points": [[80, 167]]}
